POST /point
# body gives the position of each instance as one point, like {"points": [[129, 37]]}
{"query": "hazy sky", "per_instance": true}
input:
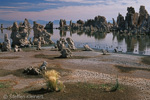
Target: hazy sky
{"points": [[50, 10]]}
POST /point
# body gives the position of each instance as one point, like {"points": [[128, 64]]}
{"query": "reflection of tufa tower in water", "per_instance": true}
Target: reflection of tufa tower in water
{"points": [[1, 26]]}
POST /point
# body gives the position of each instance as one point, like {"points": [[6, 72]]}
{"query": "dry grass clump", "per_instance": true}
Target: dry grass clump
{"points": [[52, 80]]}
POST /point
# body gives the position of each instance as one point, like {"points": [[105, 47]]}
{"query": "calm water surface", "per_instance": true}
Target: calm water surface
{"points": [[108, 41]]}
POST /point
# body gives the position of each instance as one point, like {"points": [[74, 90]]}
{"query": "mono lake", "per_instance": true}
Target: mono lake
{"points": [[108, 41]]}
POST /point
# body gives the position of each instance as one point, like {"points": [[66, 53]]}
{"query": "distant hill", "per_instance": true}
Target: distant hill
{"points": [[10, 23], [6, 23], [56, 22]]}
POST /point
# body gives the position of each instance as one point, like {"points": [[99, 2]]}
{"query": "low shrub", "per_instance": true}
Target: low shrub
{"points": [[52, 80]]}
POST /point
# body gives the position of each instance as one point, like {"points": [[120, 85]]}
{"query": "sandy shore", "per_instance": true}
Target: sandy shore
{"points": [[87, 66]]}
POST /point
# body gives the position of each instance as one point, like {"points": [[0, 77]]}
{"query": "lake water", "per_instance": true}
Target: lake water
{"points": [[107, 41]]}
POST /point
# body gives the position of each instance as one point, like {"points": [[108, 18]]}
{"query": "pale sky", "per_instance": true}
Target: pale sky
{"points": [[50, 10]]}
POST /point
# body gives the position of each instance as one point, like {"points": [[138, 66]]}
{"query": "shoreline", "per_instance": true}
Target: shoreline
{"points": [[111, 50], [82, 49], [84, 66]]}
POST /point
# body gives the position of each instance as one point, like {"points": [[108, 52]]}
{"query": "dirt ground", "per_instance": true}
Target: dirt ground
{"points": [[84, 75]]}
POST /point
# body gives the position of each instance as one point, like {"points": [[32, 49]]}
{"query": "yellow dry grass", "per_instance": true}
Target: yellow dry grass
{"points": [[52, 80]]}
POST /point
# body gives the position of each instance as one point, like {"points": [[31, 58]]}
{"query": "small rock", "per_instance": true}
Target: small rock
{"points": [[43, 66], [32, 71], [6, 46], [39, 45], [104, 52], [87, 48], [65, 53], [70, 44]]}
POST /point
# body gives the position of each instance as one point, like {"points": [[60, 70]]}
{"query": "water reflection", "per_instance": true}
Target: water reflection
{"points": [[96, 35], [62, 33], [135, 44], [1, 30], [50, 31], [109, 41]]}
